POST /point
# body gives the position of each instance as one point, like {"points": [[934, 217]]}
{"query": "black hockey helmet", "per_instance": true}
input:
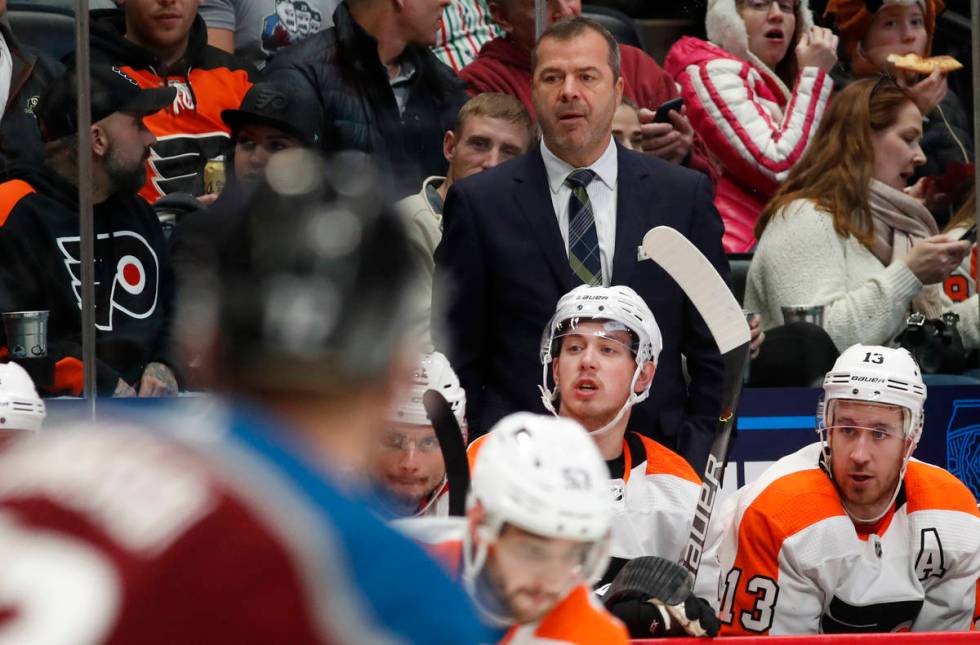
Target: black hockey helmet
{"points": [[309, 286]]}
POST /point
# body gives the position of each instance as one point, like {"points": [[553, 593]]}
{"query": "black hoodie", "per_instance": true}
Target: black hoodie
{"points": [[208, 80], [40, 270]]}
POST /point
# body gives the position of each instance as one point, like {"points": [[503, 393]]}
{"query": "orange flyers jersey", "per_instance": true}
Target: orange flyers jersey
{"points": [[793, 562], [190, 132], [578, 619]]}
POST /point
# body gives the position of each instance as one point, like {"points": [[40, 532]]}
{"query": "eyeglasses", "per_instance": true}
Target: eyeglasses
{"points": [[884, 80], [785, 6], [394, 442]]}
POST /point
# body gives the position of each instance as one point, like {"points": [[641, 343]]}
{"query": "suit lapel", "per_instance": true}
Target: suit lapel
{"points": [[631, 207], [533, 198]]}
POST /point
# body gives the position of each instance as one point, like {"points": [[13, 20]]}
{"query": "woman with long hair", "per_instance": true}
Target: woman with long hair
{"points": [[755, 91], [872, 31], [843, 233]]}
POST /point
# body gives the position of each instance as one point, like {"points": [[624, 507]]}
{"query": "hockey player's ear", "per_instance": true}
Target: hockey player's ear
{"points": [[474, 521], [646, 376]]}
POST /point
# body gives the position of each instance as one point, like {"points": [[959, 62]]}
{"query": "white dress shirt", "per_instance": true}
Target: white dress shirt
{"points": [[602, 194], [6, 74]]}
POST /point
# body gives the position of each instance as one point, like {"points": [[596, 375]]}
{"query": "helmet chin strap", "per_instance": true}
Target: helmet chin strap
{"points": [[548, 398]]}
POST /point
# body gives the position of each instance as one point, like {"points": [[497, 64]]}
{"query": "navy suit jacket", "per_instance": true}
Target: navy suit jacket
{"points": [[502, 266]]}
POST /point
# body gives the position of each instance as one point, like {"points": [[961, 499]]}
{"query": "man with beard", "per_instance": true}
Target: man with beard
{"points": [[574, 210], [39, 239]]}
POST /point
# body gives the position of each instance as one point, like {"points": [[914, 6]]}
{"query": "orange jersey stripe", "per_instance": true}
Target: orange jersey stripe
{"points": [[576, 619], [473, 450], [787, 506], [12, 192], [931, 488], [661, 460]]}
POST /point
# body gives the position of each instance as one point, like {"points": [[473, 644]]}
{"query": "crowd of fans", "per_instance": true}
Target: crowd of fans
{"points": [[289, 194], [747, 107]]}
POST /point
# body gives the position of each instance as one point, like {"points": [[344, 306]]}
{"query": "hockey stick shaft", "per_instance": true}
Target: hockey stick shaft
{"points": [[453, 448], [711, 296]]}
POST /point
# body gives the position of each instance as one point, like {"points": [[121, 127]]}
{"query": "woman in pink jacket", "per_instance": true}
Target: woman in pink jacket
{"points": [[755, 92]]}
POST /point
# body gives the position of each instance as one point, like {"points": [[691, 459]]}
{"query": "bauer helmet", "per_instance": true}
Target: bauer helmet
{"points": [[622, 309], [433, 372], [20, 406], [544, 475]]}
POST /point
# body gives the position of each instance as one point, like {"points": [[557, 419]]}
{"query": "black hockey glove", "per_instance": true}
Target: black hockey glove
{"points": [[652, 596]]}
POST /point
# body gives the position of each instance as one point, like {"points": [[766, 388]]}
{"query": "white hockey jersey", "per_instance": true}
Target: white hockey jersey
{"points": [[654, 495], [793, 562]]}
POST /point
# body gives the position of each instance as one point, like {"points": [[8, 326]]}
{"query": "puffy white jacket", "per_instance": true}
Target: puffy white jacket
{"points": [[754, 126]]}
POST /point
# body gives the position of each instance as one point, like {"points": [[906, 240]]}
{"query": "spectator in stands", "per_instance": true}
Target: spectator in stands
{"points": [[161, 43], [254, 30], [573, 210], [24, 74], [272, 117], [382, 89], [504, 65], [490, 129], [756, 92], [39, 242], [962, 283], [842, 233], [466, 26], [626, 126], [907, 27]]}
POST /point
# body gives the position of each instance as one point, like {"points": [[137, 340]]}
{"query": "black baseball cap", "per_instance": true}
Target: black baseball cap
{"points": [[287, 107], [113, 90]]}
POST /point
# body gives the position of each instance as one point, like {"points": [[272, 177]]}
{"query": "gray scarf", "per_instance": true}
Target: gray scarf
{"points": [[899, 222]]}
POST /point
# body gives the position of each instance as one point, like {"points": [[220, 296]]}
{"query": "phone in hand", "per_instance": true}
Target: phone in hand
{"points": [[664, 109], [970, 235]]}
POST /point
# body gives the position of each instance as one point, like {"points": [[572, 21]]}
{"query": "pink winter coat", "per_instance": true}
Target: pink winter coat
{"points": [[753, 126]]}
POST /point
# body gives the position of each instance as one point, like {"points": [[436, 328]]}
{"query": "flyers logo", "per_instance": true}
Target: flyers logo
{"points": [[176, 163], [133, 289]]}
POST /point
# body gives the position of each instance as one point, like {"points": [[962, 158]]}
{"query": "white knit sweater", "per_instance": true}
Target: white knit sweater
{"points": [[801, 260]]}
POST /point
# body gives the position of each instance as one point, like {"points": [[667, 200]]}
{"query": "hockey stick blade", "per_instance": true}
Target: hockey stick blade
{"points": [[713, 299], [453, 449]]}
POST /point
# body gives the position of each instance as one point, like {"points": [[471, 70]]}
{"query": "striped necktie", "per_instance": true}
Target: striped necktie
{"points": [[583, 241]]}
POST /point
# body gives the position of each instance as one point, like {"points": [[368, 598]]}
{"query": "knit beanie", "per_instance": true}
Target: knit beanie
{"points": [[852, 19]]}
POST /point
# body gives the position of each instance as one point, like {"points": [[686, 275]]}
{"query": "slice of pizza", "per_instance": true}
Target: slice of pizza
{"points": [[916, 63]]}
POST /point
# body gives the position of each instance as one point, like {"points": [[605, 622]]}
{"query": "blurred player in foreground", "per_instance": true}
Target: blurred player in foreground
{"points": [[234, 531], [408, 462], [851, 534], [535, 535]]}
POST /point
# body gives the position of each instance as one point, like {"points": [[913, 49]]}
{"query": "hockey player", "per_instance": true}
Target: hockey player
{"points": [[601, 348], [21, 409], [408, 462], [535, 535], [850, 534], [235, 530]]}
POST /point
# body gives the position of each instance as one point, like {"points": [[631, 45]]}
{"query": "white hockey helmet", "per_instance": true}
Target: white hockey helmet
{"points": [[877, 374], [433, 372], [544, 475], [874, 374], [20, 406], [620, 307]]}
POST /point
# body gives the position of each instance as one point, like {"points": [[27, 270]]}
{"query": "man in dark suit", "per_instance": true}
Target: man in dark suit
{"points": [[573, 210]]}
